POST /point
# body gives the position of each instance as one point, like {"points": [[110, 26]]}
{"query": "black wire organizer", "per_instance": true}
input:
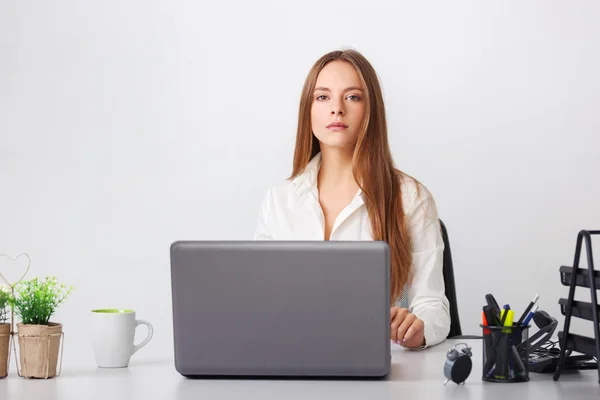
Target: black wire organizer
{"points": [[574, 277]]}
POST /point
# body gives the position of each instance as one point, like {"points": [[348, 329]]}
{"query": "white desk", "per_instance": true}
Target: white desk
{"points": [[414, 375]]}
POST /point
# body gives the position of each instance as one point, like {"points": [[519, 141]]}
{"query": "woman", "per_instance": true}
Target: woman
{"points": [[344, 186]]}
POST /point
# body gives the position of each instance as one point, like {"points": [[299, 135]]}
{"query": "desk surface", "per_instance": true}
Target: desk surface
{"points": [[414, 374]]}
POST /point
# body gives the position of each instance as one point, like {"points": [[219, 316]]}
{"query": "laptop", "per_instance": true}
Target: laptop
{"points": [[277, 308]]}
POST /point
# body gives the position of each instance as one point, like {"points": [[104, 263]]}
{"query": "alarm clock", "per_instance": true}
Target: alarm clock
{"points": [[458, 364]]}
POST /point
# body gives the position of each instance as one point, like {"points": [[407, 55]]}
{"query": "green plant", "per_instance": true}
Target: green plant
{"points": [[35, 300], [4, 299]]}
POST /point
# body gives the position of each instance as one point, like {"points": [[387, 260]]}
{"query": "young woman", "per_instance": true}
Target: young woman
{"points": [[344, 186]]}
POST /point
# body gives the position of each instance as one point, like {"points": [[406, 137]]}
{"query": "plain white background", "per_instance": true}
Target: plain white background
{"points": [[125, 126]]}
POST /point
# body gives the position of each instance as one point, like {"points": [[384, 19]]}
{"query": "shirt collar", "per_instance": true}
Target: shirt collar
{"points": [[306, 182]]}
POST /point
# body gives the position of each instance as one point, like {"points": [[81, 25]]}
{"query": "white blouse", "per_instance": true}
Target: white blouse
{"points": [[291, 211]]}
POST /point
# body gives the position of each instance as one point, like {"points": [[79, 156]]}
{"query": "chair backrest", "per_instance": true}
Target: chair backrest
{"points": [[448, 271]]}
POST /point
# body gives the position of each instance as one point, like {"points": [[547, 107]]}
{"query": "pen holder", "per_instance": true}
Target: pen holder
{"points": [[505, 353]]}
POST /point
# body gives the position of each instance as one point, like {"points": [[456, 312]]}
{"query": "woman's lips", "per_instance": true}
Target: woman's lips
{"points": [[337, 126]]}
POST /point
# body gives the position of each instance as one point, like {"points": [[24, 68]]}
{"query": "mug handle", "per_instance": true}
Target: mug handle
{"points": [[136, 347]]}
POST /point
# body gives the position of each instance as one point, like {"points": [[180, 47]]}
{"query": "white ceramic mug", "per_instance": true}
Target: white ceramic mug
{"points": [[113, 333]]}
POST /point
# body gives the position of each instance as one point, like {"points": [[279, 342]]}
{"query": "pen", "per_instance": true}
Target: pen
{"points": [[535, 299], [518, 360], [530, 315], [503, 315]]}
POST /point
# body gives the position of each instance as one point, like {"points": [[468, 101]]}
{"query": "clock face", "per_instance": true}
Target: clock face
{"points": [[461, 369]]}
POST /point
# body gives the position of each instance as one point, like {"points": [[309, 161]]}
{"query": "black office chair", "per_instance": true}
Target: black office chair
{"points": [[448, 271]]}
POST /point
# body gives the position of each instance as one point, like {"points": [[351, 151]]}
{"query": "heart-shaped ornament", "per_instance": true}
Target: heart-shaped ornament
{"points": [[12, 263]]}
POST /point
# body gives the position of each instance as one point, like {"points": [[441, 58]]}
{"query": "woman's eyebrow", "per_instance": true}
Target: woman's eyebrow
{"points": [[324, 89]]}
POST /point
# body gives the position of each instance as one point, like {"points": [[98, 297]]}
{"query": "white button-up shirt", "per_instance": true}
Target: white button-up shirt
{"points": [[291, 211]]}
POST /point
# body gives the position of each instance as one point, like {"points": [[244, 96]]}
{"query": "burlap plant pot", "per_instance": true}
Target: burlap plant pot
{"points": [[38, 349], [4, 347]]}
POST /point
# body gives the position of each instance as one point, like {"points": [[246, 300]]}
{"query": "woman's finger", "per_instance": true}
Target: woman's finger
{"points": [[408, 321], [416, 327], [395, 323]]}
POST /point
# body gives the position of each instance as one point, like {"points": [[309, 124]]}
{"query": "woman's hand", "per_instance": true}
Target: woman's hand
{"points": [[405, 328]]}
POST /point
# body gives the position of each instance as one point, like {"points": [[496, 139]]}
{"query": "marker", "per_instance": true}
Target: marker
{"points": [[530, 315], [489, 298], [486, 331], [507, 319], [488, 340], [490, 317], [503, 343], [535, 299]]}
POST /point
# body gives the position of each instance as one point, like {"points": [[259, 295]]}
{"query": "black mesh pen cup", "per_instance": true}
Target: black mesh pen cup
{"points": [[505, 353]]}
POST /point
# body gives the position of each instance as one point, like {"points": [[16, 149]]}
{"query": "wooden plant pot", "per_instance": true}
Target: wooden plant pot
{"points": [[4, 349], [38, 349]]}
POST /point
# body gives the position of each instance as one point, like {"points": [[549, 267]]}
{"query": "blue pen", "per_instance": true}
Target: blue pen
{"points": [[529, 307], [530, 315]]}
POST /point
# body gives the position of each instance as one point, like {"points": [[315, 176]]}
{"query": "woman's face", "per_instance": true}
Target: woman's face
{"points": [[338, 105]]}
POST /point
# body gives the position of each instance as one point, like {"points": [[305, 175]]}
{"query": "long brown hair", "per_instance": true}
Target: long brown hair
{"points": [[372, 164]]}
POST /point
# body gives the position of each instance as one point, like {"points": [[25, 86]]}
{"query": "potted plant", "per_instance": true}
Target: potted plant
{"points": [[34, 302], [5, 293]]}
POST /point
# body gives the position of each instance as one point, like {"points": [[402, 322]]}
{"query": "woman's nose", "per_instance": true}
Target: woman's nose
{"points": [[337, 111]]}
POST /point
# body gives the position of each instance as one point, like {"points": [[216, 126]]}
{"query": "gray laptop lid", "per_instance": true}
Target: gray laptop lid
{"points": [[251, 308]]}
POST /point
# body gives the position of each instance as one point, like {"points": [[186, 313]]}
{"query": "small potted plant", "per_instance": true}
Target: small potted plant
{"points": [[34, 302], [5, 293]]}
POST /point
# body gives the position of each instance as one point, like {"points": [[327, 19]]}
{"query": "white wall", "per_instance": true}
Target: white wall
{"points": [[126, 126]]}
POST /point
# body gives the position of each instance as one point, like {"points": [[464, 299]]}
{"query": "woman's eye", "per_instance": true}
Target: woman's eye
{"points": [[354, 97], [321, 97]]}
